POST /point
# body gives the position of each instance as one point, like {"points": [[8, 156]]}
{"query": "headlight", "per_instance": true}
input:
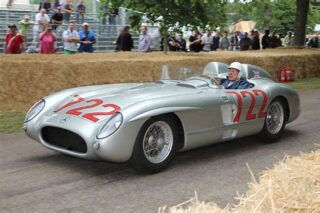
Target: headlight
{"points": [[35, 110], [110, 126]]}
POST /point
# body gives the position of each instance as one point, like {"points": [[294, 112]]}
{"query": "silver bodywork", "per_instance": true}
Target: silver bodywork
{"points": [[206, 111]]}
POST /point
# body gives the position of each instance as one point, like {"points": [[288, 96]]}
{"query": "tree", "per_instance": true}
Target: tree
{"points": [[174, 13], [281, 16], [301, 22]]}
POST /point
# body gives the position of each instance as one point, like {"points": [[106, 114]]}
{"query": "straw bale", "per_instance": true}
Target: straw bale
{"points": [[26, 78], [194, 205], [293, 185]]}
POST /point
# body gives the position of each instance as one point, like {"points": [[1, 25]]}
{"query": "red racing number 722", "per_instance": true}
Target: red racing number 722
{"points": [[252, 95], [92, 116]]}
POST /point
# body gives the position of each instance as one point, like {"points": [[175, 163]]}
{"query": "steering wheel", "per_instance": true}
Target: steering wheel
{"points": [[212, 79]]}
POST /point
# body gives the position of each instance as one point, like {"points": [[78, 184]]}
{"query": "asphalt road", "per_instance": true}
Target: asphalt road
{"points": [[35, 179]]}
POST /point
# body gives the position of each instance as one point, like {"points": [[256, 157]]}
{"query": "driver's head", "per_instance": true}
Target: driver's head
{"points": [[234, 69]]}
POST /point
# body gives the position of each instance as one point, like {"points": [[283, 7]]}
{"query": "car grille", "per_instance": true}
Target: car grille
{"points": [[64, 139]]}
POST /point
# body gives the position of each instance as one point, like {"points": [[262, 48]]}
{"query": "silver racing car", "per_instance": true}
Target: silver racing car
{"points": [[147, 123]]}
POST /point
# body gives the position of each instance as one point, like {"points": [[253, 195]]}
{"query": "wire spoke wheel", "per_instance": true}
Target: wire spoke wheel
{"points": [[275, 118], [275, 121], [157, 142]]}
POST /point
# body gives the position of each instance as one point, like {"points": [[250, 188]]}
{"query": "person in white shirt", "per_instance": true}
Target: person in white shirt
{"points": [[71, 39], [144, 40], [41, 20], [206, 41]]}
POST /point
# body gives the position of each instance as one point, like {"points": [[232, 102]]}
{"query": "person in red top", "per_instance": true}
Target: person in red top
{"points": [[14, 41]]}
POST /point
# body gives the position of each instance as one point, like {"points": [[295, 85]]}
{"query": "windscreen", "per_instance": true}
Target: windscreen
{"points": [[172, 72]]}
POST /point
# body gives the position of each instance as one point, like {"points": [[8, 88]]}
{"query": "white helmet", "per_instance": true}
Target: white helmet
{"points": [[236, 65]]}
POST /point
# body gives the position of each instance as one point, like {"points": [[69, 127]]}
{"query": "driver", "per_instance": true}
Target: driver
{"points": [[234, 81]]}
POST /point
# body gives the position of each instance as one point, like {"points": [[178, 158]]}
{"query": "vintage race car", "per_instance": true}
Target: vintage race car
{"points": [[147, 123]]}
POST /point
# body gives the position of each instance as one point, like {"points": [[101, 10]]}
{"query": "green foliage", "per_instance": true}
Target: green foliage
{"points": [[173, 13], [313, 18], [282, 14], [239, 11]]}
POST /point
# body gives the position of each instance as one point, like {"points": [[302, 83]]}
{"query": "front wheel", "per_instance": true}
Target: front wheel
{"points": [[275, 121], [155, 145]]}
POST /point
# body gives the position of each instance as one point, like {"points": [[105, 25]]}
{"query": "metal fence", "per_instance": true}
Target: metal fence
{"points": [[106, 34]]}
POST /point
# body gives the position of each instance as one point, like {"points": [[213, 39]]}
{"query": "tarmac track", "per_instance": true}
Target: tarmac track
{"points": [[35, 179]]}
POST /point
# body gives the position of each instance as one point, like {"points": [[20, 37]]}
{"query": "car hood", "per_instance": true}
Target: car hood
{"points": [[104, 101]]}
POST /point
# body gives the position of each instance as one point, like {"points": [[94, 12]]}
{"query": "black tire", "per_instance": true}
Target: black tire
{"points": [[267, 135], [139, 159]]}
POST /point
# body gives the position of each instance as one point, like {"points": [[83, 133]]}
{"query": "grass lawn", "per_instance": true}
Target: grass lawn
{"points": [[12, 121], [307, 83]]}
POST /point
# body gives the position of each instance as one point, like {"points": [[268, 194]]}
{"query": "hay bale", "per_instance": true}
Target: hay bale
{"points": [[293, 185], [194, 205], [26, 78]]}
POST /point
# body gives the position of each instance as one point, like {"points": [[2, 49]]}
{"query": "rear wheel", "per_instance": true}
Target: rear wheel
{"points": [[275, 121], [155, 145]]}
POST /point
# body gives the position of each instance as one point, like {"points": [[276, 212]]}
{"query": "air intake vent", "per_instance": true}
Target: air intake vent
{"points": [[64, 139]]}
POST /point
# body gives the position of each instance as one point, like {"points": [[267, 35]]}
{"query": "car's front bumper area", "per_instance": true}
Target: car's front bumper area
{"points": [[80, 140]]}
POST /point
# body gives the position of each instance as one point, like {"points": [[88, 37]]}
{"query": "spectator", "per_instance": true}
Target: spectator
{"points": [[81, 9], [195, 42], [41, 20], [235, 41], [288, 40], [112, 16], [68, 10], [47, 40], [70, 38], [14, 41], [224, 42], [274, 40], [313, 42], [144, 40], [87, 39], [124, 41], [265, 39], [206, 41], [251, 34], [182, 42], [215, 41], [173, 43], [281, 38], [45, 4], [307, 39], [24, 25], [255, 43], [9, 4], [279, 41], [245, 42], [55, 5], [57, 19]]}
